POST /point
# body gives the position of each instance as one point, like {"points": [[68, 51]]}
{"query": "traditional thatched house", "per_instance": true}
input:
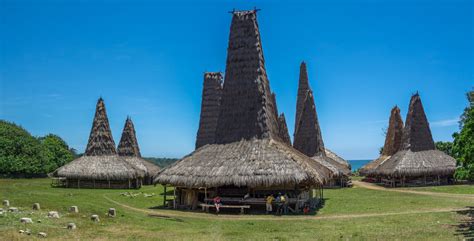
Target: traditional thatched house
{"points": [[100, 166], [393, 141], [247, 155], [417, 162], [129, 151], [308, 138]]}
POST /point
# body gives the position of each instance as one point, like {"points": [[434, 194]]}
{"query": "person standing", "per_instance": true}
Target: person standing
{"points": [[268, 203], [217, 203], [286, 202]]}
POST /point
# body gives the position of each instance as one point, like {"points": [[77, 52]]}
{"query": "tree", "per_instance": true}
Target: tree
{"points": [[56, 150], [463, 145], [446, 147], [20, 153]]}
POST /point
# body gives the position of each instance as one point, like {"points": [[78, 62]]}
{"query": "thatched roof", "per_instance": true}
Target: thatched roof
{"points": [[128, 145], [283, 129], [110, 167], [252, 163], [393, 142], [303, 88], [337, 158], [211, 99], [417, 156], [100, 161], [308, 138], [100, 141], [247, 107], [129, 150], [248, 149]]}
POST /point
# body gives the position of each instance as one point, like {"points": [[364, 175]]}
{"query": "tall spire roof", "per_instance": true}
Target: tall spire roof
{"points": [[100, 141], [210, 106], [417, 134], [303, 87], [393, 139], [283, 129], [247, 107], [308, 138], [128, 145]]}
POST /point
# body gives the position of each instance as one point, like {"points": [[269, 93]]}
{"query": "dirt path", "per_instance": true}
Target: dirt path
{"points": [[176, 215], [434, 194]]}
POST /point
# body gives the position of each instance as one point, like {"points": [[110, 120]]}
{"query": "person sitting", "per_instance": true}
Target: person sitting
{"points": [[217, 203], [306, 209], [268, 203]]}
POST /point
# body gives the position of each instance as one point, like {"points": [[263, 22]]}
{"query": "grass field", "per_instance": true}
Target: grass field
{"points": [[356, 214]]}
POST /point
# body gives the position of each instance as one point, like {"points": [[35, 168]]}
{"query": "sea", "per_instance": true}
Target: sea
{"points": [[356, 164]]}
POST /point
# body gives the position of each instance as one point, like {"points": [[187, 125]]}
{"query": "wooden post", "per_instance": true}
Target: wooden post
{"points": [[174, 199], [109, 183], [129, 185], [205, 194], [164, 197], [78, 186]]}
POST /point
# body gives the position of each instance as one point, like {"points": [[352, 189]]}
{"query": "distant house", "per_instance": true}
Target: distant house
{"points": [[417, 162], [100, 166]]}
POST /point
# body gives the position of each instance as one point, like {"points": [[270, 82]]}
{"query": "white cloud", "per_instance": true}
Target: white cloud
{"points": [[447, 122]]}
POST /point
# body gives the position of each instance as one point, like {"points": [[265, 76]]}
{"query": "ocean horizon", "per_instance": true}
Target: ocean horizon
{"points": [[356, 164]]}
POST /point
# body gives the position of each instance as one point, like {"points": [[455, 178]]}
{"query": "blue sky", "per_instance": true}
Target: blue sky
{"points": [[147, 59]]}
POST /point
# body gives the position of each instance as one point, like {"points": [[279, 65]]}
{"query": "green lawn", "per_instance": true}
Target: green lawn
{"points": [[456, 189], [405, 217]]}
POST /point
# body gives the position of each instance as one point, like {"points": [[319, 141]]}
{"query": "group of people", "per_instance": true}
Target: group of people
{"points": [[281, 201]]}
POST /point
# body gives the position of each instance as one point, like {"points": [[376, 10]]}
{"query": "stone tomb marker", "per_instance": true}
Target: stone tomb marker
{"points": [[36, 206], [6, 203], [112, 212], [53, 214], [95, 218], [73, 209]]}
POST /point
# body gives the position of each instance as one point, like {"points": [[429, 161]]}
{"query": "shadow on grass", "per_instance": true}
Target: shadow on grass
{"points": [[466, 227]]}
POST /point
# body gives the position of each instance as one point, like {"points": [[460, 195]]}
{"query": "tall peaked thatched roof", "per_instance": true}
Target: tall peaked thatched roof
{"points": [[417, 155], [308, 138], [100, 141], [247, 107], [393, 142], [128, 145], [417, 133], [129, 151], [248, 150], [283, 129], [303, 88], [210, 106]]}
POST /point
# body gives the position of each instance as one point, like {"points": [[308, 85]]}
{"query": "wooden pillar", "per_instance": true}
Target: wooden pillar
{"points": [[129, 185], [109, 183], [164, 196], [78, 186], [174, 199]]}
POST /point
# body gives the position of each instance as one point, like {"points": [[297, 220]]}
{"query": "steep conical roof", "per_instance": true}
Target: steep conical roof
{"points": [[128, 145], [393, 139], [393, 142], [417, 133], [100, 141], [247, 108], [210, 105], [308, 138], [303, 87], [283, 129]]}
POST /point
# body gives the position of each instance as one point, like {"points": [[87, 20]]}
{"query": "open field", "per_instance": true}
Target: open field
{"points": [[356, 213]]}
